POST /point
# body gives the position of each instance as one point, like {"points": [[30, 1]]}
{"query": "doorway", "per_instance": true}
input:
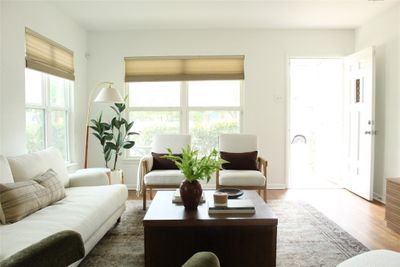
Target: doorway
{"points": [[316, 125]]}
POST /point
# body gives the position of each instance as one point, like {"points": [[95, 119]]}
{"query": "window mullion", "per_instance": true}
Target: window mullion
{"points": [[184, 108], [46, 82]]}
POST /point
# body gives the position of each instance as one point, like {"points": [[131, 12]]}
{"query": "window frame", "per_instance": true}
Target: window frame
{"points": [[184, 109], [47, 108]]}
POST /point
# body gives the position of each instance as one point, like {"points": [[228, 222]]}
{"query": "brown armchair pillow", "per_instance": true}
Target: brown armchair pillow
{"points": [[160, 163], [240, 161]]}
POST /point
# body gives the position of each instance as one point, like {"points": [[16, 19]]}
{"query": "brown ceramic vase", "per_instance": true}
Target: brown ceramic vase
{"points": [[191, 194]]}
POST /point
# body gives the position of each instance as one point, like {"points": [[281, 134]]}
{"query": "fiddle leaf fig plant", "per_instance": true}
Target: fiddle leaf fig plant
{"points": [[114, 136], [194, 166]]}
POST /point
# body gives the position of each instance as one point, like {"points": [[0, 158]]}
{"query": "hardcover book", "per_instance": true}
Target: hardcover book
{"points": [[178, 200], [234, 206]]}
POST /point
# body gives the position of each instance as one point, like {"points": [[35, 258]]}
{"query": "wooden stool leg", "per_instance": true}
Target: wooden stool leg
{"points": [[151, 193], [265, 194], [144, 197], [259, 192]]}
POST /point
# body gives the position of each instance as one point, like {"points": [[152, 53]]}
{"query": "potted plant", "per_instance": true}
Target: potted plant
{"points": [[114, 137], [195, 168]]}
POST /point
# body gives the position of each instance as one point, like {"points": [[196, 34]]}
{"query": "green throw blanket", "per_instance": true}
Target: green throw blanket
{"points": [[60, 249]]}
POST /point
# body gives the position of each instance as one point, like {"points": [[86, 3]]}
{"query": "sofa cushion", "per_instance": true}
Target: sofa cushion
{"points": [[53, 184], [164, 177], [5, 171], [160, 163], [28, 166], [18, 200], [241, 178], [239, 161], [83, 210]]}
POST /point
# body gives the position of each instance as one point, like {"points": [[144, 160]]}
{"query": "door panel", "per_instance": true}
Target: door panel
{"points": [[359, 122]]}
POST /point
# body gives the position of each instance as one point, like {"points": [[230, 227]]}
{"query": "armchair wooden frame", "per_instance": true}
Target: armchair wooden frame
{"points": [[145, 170], [262, 167]]}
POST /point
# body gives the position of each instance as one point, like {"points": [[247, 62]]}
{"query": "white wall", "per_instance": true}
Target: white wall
{"points": [[50, 22], [383, 33], [266, 53]]}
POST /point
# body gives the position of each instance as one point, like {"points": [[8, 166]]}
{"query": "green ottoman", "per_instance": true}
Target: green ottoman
{"points": [[202, 259]]}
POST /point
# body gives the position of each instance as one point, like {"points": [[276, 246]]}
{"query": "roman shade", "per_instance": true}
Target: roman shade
{"points": [[47, 56], [142, 69]]}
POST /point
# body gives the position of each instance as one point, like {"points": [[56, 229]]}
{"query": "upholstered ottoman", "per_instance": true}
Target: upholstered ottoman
{"points": [[374, 258]]}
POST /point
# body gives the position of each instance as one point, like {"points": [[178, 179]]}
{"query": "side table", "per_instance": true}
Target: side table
{"points": [[393, 204]]}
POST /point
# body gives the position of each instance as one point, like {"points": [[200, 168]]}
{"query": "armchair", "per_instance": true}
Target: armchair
{"points": [[246, 170], [155, 172]]}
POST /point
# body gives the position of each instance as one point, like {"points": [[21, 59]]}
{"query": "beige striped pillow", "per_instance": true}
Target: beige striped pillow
{"points": [[50, 180], [18, 200]]}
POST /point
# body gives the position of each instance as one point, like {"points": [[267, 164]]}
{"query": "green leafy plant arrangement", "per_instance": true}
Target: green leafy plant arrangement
{"points": [[196, 167], [113, 136]]}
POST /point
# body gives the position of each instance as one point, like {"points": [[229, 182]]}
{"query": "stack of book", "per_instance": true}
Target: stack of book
{"points": [[178, 200], [233, 206]]}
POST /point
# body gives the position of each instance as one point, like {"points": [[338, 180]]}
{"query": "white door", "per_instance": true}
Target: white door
{"points": [[359, 122]]}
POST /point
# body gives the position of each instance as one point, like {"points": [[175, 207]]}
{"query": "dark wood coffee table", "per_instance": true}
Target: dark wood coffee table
{"points": [[172, 235]]}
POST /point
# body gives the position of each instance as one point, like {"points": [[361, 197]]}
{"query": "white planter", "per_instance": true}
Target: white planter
{"points": [[116, 177]]}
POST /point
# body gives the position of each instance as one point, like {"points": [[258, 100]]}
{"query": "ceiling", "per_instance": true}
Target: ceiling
{"points": [[109, 15]]}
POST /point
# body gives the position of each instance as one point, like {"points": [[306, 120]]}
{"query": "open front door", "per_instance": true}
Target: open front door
{"points": [[359, 122]]}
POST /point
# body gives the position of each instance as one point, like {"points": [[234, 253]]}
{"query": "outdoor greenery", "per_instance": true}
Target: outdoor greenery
{"points": [[35, 129], [204, 127], [194, 166], [114, 135], [47, 111]]}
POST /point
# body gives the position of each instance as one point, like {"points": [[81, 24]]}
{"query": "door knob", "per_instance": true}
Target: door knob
{"points": [[370, 132]]}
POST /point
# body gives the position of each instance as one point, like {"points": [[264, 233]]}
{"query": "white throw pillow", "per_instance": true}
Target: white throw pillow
{"points": [[5, 171], [29, 166]]}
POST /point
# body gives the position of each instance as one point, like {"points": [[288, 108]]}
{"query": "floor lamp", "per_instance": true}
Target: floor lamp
{"points": [[107, 94]]}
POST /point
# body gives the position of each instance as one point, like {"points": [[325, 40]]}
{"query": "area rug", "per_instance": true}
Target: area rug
{"points": [[305, 238]]}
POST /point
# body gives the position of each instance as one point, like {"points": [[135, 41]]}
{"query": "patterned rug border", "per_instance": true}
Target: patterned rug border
{"points": [[332, 226]]}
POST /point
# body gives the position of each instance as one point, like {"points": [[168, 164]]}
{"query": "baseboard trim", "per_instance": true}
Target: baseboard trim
{"points": [[276, 186], [379, 198]]}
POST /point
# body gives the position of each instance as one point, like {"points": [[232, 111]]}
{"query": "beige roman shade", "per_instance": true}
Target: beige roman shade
{"points": [[140, 69], [47, 56]]}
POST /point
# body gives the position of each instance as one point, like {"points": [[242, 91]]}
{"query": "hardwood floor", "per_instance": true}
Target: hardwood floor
{"points": [[364, 220]]}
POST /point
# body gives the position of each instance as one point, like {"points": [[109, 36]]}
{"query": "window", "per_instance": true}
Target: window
{"points": [[203, 109], [47, 99]]}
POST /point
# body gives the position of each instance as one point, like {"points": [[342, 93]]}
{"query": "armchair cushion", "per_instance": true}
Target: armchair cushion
{"points": [[164, 177], [88, 177], [160, 163], [241, 178], [240, 161]]}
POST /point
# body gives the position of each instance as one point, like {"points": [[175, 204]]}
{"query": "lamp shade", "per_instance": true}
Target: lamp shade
{"points": [[109, 95]]}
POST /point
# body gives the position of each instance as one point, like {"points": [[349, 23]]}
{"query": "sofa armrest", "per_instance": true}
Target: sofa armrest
{"points": [[60, 249], [88, 178]]}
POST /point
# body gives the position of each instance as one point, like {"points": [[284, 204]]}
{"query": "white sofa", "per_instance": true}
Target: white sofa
{"points": [[91, 206]]}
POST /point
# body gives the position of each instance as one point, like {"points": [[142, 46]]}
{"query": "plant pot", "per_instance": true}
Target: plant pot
{"points": [[191, 194], [115, 177]]}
